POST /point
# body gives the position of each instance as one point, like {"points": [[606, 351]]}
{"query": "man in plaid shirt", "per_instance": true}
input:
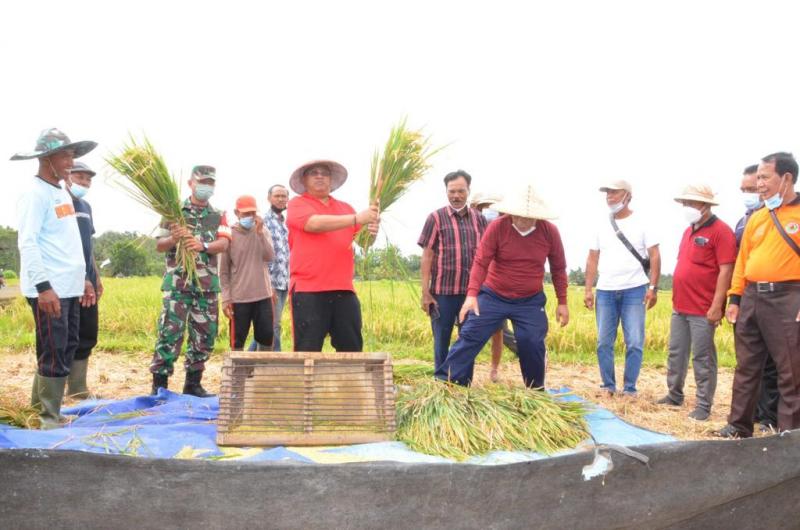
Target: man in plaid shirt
{"points": [[449, 240]]}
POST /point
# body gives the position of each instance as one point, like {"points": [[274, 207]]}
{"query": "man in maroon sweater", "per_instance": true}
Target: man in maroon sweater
{"points": [[506, 283]]}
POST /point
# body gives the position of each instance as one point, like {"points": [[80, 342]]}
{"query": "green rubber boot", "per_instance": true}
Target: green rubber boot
{"points": [[35, 403], [51, 393], [76, 382]]}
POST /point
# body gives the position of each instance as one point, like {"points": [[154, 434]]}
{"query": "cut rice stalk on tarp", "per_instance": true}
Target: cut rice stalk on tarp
{"points": [[148, 181], [18, 414], [452, 421]]}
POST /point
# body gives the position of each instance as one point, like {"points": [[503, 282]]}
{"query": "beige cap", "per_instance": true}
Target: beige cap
{"points": [[618, 184], [524, 202], [481, 197], [697, 192]]}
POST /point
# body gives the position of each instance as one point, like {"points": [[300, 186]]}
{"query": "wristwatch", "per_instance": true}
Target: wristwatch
{"points": [[653, 287], [205, 246]]}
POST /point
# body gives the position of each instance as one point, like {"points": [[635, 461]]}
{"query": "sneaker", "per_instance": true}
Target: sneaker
{"points": [[630, 393], [699, 414], [666, 400], [729, 431]]}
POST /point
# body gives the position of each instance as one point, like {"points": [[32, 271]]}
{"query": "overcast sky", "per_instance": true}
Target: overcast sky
{"points": [[560, 94]]}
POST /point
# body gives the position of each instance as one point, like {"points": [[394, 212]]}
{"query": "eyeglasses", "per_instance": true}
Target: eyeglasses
{"points": [[318, 171]]}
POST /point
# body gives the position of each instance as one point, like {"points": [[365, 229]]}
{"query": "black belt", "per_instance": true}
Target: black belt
{"points": [[774, 287]]}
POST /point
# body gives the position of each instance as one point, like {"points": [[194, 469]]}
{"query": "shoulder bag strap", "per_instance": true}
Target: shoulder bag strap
{"points": [[789, 240], [625, 241]]}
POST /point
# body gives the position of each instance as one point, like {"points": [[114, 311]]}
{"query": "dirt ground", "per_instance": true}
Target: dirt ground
{"points": [[126, 375]]}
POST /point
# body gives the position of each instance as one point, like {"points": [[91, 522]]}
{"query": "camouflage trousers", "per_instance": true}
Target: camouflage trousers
{"points": [[201, 311]]}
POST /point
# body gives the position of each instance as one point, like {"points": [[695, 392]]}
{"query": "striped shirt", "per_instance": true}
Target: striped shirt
{"points": [[453, 238]]}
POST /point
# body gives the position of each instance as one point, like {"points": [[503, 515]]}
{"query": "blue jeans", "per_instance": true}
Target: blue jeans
{"points": [[530, 329], [442, 324], [612, 307], [276, 320]]}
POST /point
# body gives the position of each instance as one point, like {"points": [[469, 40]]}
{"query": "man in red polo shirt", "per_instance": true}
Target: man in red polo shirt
{"points": [[701, 280], [321, 264]]}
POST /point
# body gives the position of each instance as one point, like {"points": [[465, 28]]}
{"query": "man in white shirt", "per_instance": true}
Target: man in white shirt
{"points": [[627, 284], [53, 269]]}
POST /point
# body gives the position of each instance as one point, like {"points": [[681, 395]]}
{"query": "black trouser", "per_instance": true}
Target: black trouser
{"points": [[258, 313], [767, 407], [56, 338], [314, 315], [87, 332]]}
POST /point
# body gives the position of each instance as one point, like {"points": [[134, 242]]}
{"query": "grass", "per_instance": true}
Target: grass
{"points": [[392, 319]]}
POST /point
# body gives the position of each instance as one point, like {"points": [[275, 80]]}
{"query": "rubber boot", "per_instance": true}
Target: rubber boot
{"points": [[193, 387], [159, 381], [35, 403], [76, 382], [51, 393]]}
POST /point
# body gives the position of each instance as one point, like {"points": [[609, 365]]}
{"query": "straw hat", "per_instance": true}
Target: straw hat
{"points": [[618, 184], [697, 192], [524, 202], [52, 141], [480, 197], [338, 175]]}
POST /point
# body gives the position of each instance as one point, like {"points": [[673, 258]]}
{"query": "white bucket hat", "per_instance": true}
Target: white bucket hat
{"points": [[524, 202], [699, 193]]}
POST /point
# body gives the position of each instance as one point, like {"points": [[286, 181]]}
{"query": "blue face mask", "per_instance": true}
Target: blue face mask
{"points": [[752, 201], [775, 201], [247, 222], [78, 190], [489, 214], [203, 192]]}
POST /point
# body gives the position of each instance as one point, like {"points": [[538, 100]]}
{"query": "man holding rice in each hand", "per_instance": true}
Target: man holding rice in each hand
{"points": [[53, 270], [506, 282], [321, 232], [208, 235]]}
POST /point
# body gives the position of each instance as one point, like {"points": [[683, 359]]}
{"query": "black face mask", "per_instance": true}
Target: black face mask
{"points": [[277, 210]]}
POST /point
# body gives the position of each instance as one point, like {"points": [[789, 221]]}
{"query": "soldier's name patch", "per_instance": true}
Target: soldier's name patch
{"points": [[792, 228]]}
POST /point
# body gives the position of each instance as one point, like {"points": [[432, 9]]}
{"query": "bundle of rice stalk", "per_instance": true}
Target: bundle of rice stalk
{"points": [[18, 415], [404, 161], [457, 422], [149, 182]]}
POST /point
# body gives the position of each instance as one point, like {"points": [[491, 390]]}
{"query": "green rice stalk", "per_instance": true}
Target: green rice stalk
{"points": [[149, 182], [457, 422], [405, 160]]}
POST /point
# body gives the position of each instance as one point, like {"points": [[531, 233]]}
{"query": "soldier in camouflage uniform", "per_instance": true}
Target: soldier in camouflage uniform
{"points": [[207, 234]]}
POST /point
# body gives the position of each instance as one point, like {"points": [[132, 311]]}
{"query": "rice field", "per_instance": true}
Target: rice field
{"points": [[393, 323]]}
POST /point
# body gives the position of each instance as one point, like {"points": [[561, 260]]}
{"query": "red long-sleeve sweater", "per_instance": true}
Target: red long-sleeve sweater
{"points": [[513, 266]]}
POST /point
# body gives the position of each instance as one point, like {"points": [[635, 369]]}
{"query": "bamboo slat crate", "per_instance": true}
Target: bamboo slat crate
{"points": [[283, 398]]}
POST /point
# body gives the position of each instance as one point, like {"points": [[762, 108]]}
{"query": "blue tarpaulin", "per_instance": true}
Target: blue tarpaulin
{"points": [[177, 426]]}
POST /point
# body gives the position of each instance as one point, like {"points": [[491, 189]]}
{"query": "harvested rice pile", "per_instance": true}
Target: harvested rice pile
{"points": [[452, 421]]}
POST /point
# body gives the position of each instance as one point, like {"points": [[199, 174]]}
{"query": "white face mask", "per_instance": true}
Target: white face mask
{"points": [[490, 214], [457, 210], [526, 232], [616, 207], [78, 190], [692, 215]]}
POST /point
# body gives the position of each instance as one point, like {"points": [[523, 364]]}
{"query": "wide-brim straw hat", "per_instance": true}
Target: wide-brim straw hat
{"points": [[481, 197], [338, 175], [524, 202], [699, 193], [51, 141]]}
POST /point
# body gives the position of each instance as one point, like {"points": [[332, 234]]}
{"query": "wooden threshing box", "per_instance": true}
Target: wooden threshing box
{"points": [[293, 398]]}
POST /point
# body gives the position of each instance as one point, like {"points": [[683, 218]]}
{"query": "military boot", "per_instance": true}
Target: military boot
{"points": [[193, 387], [51, 393], [76, 382], [159, 381]]}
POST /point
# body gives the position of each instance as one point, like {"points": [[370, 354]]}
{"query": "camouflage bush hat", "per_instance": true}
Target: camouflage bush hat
{"points": [[80, 167], [53, 140], [338, 175], [205, 172]]}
